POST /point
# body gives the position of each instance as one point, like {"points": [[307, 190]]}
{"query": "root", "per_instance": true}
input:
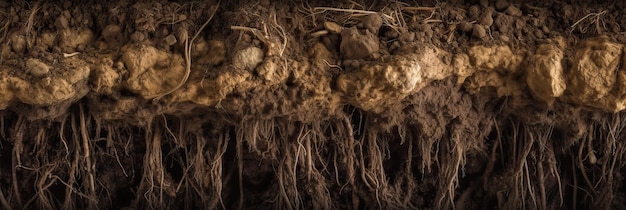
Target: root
{"points": [[187, 54], [596, 18], [28, 27]]}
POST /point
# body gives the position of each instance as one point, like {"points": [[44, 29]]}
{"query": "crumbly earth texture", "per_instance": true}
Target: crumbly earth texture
{"points": [[312, 104]]}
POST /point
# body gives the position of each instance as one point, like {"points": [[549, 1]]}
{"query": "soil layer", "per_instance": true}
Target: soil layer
{"points": [[323, 105]]}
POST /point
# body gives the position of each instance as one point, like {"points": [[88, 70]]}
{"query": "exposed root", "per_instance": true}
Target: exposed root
{"points": [[187, 53], [595, 19]]}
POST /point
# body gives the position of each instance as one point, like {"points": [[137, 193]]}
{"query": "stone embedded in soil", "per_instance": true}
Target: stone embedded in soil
{"points": [[170, 40], [513, 11], [501, 5], [112, 33], [355, 45], [465, 26], [37, 68], [594, 75], [372, 22], [544, 74], [333, 27], [378, 83], [248, 58], [18, 43], [486, 18], [479, 31]]}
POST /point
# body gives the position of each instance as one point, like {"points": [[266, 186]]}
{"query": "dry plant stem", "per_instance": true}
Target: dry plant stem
{"points": [[188, 48]]}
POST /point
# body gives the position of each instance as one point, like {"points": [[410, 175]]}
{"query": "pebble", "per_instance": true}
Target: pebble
{"points": [[465, 26], [479, 31], [372, 22], [37, 68], [513, 11], [170, 40], [501, 5], [333, 27], [486, 19]]}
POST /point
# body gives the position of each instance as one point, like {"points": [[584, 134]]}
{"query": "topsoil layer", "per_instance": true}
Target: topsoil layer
{"points": [[325, 105]]}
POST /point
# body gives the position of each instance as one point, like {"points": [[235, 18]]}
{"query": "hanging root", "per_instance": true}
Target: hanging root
{"points": [[187, 54]]}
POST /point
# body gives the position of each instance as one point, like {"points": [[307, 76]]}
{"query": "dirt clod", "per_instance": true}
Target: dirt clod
{"points": [[333, 27], [355, 45], [513, 11], [248, 58], [372, 22], [501, 5], [36, 67]]}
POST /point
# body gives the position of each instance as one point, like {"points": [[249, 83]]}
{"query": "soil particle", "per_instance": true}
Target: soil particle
{"points": [[248, 58], [474, 11], [501, 5], [465, 26], [479, 31], [372, 22], [170, 40], [112, 33], [355, 45], [18, 43], [486, 18], [333, 27], [513, 11], [37, 68], [62, 23]]}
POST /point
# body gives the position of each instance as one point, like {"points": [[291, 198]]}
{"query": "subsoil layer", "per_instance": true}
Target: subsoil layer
{"points": [[320, 105]]}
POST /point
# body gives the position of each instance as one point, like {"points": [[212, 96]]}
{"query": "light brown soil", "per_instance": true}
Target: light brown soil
{"points": [[326, 105]]}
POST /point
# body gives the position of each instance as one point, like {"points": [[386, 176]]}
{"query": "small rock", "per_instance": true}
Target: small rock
{"points": [[474, 11], [479, 31], [357, 46], [513, 11], [372, 22], [538, 34], [407, 37], [36, 67], [465, 26], [170, 39], [137, 36], [248, 58], [486, 19], [504, 38], [61, 22], [484, 3], [18, 43], [501, 5], [111, 32], [333, 27]]}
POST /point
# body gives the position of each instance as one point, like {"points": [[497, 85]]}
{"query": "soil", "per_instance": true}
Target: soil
{"points": [[325, 105]]}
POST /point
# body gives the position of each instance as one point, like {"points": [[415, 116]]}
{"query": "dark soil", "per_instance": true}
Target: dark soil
{"points": [[325, 105]]}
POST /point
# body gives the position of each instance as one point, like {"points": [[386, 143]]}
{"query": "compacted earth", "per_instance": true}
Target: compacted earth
{"points": [[294, 104]]}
